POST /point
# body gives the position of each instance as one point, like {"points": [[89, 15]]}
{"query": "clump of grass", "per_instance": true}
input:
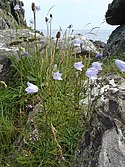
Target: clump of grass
{"points": [[59, 109]]}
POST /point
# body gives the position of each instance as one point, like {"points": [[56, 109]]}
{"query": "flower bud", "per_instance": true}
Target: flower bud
{"points": [[33, 7], [58, 34], [51, 16], [21, 49], [46, 19]]}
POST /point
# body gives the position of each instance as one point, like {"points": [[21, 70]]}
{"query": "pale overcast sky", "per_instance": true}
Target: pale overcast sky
{"points": [[65, 12]]}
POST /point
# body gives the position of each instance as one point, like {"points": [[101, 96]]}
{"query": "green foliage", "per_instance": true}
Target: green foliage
{"points": [[59, 108], [56, 119], [45, 135]]}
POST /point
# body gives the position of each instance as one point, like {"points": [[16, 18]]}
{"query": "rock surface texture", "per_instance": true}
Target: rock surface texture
{"points": [[10, 42], [116, 42], [115, 16], [10, 18], [103, 144]]}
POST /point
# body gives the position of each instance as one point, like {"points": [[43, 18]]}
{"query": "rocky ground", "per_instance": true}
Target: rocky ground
{"points": [[103, 144], [10, 42]]}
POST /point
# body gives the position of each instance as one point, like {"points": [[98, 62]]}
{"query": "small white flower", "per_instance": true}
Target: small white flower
{"points": [[97, 65], [29, 106], [16, 7], [78, 66], [31, 88], [57, 76], [120, 64]]}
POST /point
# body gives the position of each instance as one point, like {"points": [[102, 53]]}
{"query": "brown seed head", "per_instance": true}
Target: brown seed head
{"points": [[58, 35], [51, 16], [46, 19], [33, 7], [59, 154]]}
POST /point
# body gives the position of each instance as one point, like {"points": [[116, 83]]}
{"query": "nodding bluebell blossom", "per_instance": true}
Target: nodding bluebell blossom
{"points": [[92, 73], [120, 64], [78, 66], [31, 88], [97, 66], [31, 21], [16, 7], [77, 42], [99, 55], [25, 54], [57, 76], [37, 8]]}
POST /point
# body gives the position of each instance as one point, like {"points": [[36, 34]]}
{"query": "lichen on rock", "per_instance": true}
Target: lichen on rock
{"points": [[103, 143]]}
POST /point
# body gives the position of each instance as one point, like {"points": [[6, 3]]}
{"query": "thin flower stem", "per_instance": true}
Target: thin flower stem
{"points": [[50, 28], [47, 30], [54, 50], [21, 69], [34, 16]]}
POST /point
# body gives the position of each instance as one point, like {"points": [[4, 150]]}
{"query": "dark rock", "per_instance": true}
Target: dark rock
{"points": [[5, 4], [103, 144], [116, 42], [6, 72], [3, 24], [115, 14], [10, 18], [99, 44]]}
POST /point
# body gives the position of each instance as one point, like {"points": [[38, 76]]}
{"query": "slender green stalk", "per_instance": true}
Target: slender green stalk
{"points": [[21, 68]]}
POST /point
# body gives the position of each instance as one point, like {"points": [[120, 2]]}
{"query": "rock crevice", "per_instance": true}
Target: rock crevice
{"points": [[103, 144]]}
